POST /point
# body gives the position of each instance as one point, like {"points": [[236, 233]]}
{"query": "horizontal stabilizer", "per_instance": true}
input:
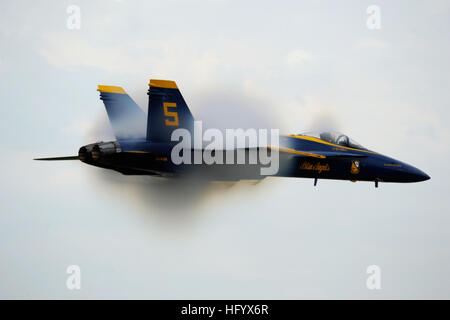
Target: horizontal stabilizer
{"points": [[58, 158]]}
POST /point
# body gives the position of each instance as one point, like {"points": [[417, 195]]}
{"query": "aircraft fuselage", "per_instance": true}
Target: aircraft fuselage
{"points": [[141, 157]]}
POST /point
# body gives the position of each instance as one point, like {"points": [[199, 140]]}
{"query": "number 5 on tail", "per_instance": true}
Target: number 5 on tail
{"points": [[171, 114]]}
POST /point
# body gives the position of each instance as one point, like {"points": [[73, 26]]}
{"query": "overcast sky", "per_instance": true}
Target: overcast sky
{"points": [[284, 64]]}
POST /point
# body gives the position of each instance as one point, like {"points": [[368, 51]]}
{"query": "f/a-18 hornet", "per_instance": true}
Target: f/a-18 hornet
{"points": [[144, 145]]}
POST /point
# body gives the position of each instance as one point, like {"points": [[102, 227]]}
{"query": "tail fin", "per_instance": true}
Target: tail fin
{"points": [[167, 110], [126, 118]]}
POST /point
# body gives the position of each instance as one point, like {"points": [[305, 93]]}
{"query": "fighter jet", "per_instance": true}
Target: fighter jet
{"points": [[145, 145]]}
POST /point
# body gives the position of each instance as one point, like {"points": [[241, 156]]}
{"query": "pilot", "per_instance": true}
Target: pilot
{"points": [[342, 140], [326, 136]]}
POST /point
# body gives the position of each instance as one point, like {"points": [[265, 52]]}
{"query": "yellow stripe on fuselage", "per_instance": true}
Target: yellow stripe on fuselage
{"points": [[136, 152], [111, 89], [163, 84], [327, 143], [302, 153]]}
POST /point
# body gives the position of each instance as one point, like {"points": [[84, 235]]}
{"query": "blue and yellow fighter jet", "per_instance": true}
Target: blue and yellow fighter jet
{"points": [[144, 145]]}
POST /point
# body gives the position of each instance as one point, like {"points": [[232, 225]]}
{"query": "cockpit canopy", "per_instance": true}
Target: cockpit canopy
{"points": [[335, 138]]}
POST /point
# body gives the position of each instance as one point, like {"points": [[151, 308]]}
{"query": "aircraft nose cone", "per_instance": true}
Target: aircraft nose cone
{"points": [[416, 175], [397, 171], [422, 176]]}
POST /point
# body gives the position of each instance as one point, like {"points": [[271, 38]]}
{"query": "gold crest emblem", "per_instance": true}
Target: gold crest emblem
{"points": [[355, 167]]}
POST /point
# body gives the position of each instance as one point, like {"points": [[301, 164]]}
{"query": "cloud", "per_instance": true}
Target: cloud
{"points": [[97, 128], [297, 58], [371, 43], [70, 51]]}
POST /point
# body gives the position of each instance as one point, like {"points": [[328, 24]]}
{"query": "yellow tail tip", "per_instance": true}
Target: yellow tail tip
{"points": [[111, 89], [163, 84]]}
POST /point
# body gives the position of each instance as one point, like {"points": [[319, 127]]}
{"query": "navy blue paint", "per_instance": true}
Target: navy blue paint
{"points": [[157, 130], [124, 114]]}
